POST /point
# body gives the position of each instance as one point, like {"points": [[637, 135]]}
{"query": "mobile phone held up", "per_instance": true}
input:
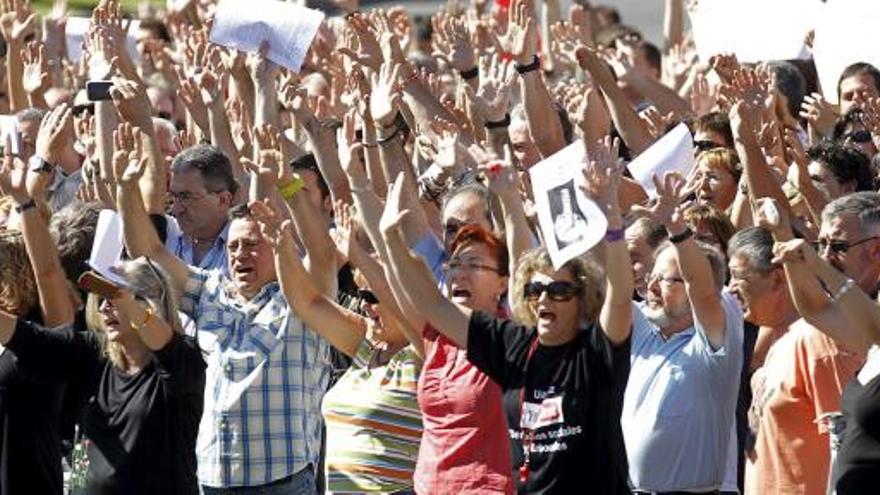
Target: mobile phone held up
{"points": [[99, 90]]}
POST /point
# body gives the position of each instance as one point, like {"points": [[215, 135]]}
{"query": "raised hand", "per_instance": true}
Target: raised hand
{"points": [[666, 208], [452, 44], [521, 38], [35, 76], [56, 132], [344, 216], [769, 215], [17, 21], [386, 97], [793, 251], [500, 176], [366, 50], [602, 173], [276, 230], [13, 174], [271, 169], [492, 99], [393, 214], [725, 65], [129, 159], [702, 98], [819, 113], [130, 99], [349, 148]]}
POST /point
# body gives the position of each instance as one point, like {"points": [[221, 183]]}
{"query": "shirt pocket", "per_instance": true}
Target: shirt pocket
{"points": [[677, 394]]}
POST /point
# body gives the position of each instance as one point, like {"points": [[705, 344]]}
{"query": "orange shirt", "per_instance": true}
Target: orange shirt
{"points": [[802, 379]]}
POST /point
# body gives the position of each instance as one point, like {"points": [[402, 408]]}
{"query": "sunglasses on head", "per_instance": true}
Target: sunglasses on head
{"points": [[705, 145], [859, 136], [559, 291], [367, 296], [79, 110]]}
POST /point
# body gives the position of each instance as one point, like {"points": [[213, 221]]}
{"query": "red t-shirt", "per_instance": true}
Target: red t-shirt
{"points": [[464, 445]]}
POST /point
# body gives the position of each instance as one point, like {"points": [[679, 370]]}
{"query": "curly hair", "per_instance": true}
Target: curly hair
{"points": [[583, 271], [846, 163], [18, 287]]}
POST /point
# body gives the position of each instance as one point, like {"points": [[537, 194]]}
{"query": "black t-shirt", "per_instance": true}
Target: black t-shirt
{"points": [[30, 444], [141, 428], [574, 394], [858, 462]]}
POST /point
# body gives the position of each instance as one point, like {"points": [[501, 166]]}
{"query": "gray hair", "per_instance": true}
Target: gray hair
{"points": [[717, 263], [864, 206], [756, 245], [149, 281]]}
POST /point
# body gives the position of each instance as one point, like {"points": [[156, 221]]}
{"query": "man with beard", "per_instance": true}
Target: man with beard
{"points": [[803, 376], [686, 354]]}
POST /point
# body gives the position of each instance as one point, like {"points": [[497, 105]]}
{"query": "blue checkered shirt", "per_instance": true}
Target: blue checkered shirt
{"points": [[267, 374]]}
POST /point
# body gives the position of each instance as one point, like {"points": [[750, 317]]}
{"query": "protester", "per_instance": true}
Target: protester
{"points": [[278, 175]]}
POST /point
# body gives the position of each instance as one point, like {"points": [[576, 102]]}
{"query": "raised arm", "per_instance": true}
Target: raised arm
{"points": [[417, 281], [310, 227], [344, 329], [505, 184], [16, 24], [138, 232], [544, 124], [632, 128], [847, 315], [602, 174], [693, 262], [35, 75], [27, 189], [214, 84]]}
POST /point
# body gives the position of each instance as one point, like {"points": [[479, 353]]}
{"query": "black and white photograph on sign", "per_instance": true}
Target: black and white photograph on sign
{"points": [[569, 223]]}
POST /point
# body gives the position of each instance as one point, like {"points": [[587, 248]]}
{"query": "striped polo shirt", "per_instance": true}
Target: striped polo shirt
{"points": [[374, 425]]}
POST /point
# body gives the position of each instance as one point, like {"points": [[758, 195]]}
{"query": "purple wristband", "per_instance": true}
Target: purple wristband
{"points": [[614, 235]]}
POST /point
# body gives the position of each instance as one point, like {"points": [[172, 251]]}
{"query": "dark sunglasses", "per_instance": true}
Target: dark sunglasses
{"points": [[367, 296], [559, 291], [706, 145], [839, 247], [859, 136], [78, 110]]}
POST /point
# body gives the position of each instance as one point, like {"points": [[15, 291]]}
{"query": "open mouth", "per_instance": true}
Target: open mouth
{"points": [[243, 270], [460, 293], [546, 316]]}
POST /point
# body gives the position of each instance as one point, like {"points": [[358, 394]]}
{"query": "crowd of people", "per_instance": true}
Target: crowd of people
{"points": [[335, 280]]}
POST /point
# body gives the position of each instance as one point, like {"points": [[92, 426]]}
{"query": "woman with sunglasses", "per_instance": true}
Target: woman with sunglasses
{"points": [[562, 376], [373, 421], [147, 381]]}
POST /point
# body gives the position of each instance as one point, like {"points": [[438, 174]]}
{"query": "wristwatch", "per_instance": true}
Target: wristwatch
{"points": [[37, 164]]}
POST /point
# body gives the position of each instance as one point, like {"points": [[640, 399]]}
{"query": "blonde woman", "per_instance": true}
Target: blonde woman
{"points": [[146, 377]]}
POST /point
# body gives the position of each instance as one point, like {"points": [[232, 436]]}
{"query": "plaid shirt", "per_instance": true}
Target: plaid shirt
{"points": [[266, 377]]}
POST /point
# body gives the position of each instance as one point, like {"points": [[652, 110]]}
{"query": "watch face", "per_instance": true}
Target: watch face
{"points": [[38, 165]]}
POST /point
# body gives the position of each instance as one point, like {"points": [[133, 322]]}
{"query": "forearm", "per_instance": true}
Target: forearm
{"points": [[662, 97], [616, 311], [18, 99], [265, 104], [244, 88], [324, 144], [673, 23], [632, 129], [762, 183], [221, 136], [55, 300], [153, 184], [516, 227], [422, 103], [140, 237], [373, 160], [392, 155], [342, 330], [701, 287], [37, 99], [315, 236], [544, 124], [814, 198]]}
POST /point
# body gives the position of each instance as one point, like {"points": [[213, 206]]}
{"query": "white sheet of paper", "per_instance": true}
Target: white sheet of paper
{"points": [[76, 30], [846, 32], [755, 30], [674, 152], [107, 246], [9, 128], [571, 223], [288, 28]]}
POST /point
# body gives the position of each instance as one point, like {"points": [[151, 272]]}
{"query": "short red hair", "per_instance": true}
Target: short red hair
{"points": [[474, 234]]}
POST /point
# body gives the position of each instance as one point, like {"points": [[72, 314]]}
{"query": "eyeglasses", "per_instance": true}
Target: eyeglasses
{"points": [[367, 296], [451, 228], [466, 266], [558, 291], [839, 246], [650, 279], [859, 136]]}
